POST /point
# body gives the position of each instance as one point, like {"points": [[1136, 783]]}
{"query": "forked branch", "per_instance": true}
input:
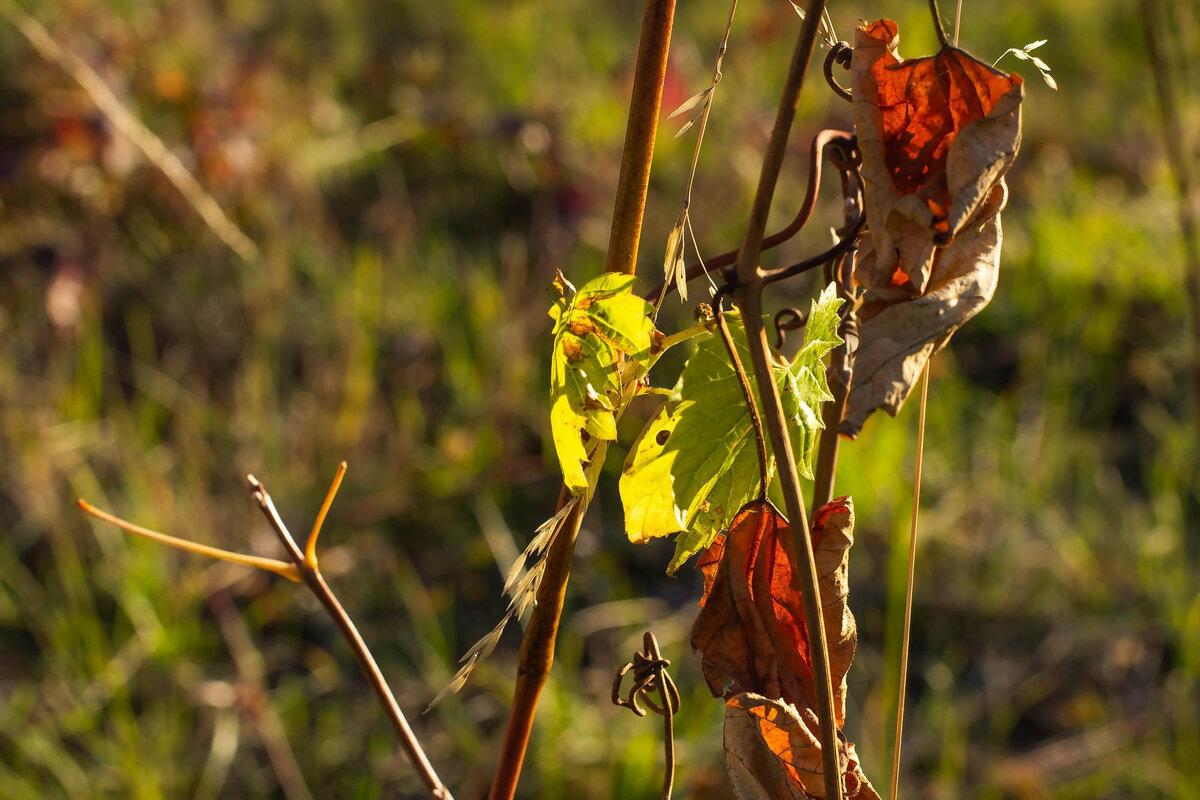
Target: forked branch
{"points": [[303, 568]]}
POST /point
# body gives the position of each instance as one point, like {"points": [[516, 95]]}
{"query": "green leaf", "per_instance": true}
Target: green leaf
{"points": [[602, 339], [695, 464]]}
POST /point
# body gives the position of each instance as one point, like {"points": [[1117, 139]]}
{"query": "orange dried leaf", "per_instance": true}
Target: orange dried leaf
{"points": [[772, 751], [937, 135], [752, 634]]}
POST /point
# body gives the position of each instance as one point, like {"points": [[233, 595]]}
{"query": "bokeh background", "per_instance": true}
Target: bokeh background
{"points": [[412, 174]]}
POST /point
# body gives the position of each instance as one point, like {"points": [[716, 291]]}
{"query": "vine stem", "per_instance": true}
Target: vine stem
{"points": [[749, 296], [537, 648], [943, 39], [908, 591], [839, 378], [312, 578], [760, 441], [820, 142]]}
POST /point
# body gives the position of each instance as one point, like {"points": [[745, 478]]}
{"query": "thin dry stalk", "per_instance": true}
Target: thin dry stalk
{"points": [[685, 220], [537, 648], [1181, 166], [749, 296], [123, 120], [908, 591]]}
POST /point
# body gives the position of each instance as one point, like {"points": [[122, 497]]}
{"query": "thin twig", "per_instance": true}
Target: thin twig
{"points": [[310, 548], [649, 675], [820, 142], [908, 591], [124, 121], [302, 570], [280, 568], [316, 583], [938, 26], [760, 441], [685, 214], [957, 21], [749, 291], [537, 648]]}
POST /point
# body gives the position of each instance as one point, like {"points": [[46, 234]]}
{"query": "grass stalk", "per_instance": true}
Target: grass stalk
{"points": [[908, 590], [123, 120]]}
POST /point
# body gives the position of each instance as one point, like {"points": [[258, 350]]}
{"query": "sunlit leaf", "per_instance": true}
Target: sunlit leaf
{"points": [[695, 463], [602, 339]]}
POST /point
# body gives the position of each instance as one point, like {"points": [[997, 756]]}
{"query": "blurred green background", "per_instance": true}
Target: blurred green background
{"points": [[413, 173]]}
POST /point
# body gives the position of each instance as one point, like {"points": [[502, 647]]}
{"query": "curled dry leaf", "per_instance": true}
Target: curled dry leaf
{"points": [[753, 642], [898, 337], [771, 751], [937, 135]]}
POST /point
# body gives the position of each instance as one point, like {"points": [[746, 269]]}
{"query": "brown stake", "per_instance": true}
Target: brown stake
{"points": [[749, 297], [644, 108], [537, 648]]}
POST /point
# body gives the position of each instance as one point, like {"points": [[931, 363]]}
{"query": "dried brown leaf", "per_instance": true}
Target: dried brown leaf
{"points": [[753, 639], [772, 751], [897, 337], [937, 135]]}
